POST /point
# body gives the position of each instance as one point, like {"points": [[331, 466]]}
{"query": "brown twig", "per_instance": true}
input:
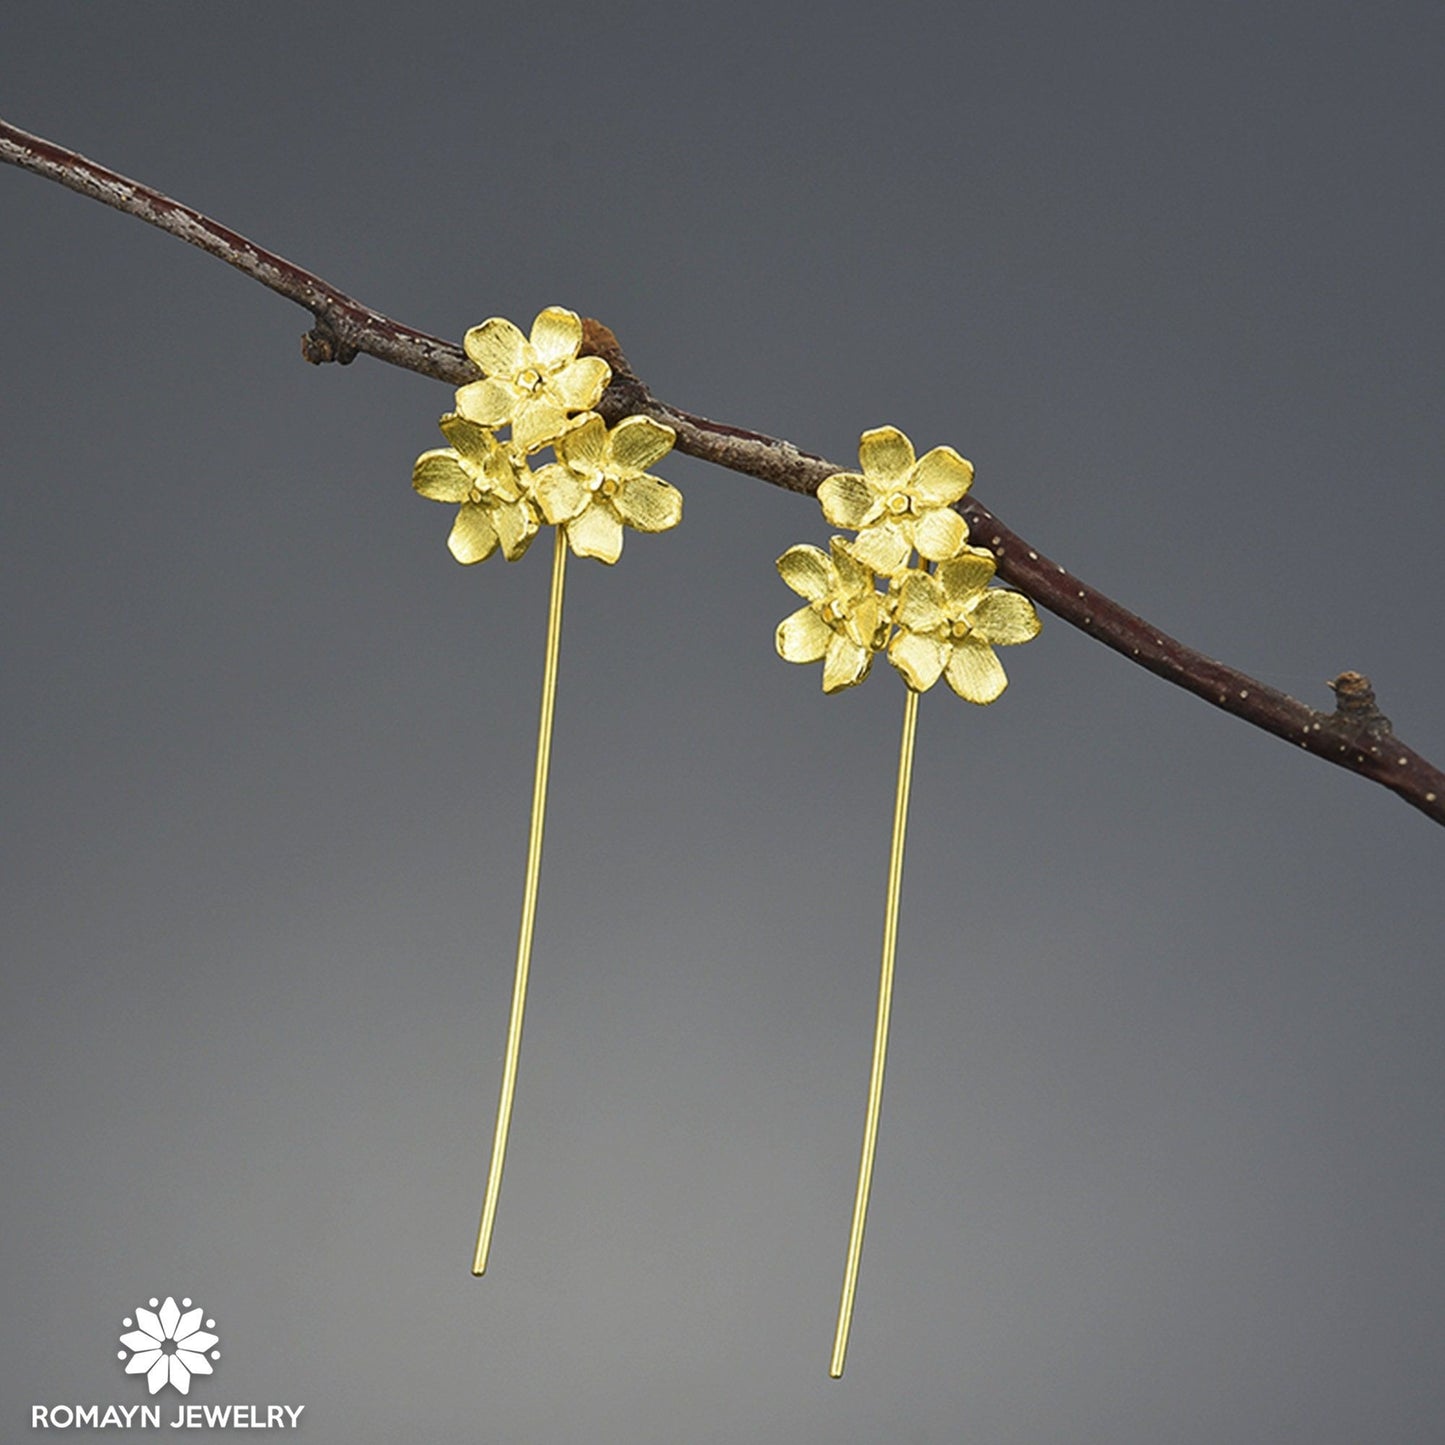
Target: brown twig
{"points": [[1355, 735]]}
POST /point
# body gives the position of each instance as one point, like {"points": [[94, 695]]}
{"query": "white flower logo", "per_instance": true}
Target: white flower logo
{"points": [[168, 1347]]}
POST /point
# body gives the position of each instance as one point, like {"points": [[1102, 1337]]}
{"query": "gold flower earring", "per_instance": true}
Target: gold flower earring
{"points": [[542, 391], [938, 620]]}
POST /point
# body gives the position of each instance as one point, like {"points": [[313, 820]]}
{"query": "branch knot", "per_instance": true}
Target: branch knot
{"points": [[323, 343], [1355, 704]]}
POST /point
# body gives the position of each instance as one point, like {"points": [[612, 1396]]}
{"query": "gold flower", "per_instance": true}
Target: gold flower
{"points": [[534, 385], [899, 502], [481, 473], [846, 619], [949, 622], [600, 481]]}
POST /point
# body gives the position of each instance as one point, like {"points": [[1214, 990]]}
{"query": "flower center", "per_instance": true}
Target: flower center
{"points": [[899, 503], [530, 381], [959, 628], [832, 612], [474, 494]]}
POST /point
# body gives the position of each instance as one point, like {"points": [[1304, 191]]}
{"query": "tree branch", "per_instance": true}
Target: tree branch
{"points": [[1355, 735]]}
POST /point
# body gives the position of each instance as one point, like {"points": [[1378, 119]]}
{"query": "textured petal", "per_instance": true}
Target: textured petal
{"points": [[845, 664], [558, 492], [854, 577], [919, 659], [537, 423], [920, 603], [585, 444], [470, 439], [803, 636], [942, 477], [502, 477], [556, 336], [806, 570], [649, 504], [497, 347], [489, 402], [966, 576], [846, 499], [1003, 617], [974, 673], [596, 533], [638, 442], [516, 526], [865, 620], [439, 475], [886, 454], [473, 537], [939, 534], [580, 383], [885, 548]]}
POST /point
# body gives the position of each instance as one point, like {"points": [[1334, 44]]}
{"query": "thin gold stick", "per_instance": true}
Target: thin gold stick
{"points": [[529, 909], [880, 1038]]}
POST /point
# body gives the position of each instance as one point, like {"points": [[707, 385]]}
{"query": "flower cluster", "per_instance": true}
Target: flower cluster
{"points": [[936, 618], [543, 392]]}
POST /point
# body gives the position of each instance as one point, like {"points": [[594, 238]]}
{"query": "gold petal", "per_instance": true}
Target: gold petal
{"points": [[581, 383], [1003, 617], [556, 336], [471, 439], [585, 444], [854, 577], [596, 533], [537, 423], [803, 636], [864, 619], [638, 442], [973, 671], [560, 495], [503, 477], [497, 347], [966, 575], [489, 402], [939, 534], [845, 664], [942, 477], [919, 659], [438, 474], [885, 548], [886, 454], [920, 604], [846, 499], [807, 571], [649, 504], [516, 525], [473, 537]]}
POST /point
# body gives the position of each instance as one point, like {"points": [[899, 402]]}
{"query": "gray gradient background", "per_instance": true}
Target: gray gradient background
{"points": [[1161, 1156]]}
